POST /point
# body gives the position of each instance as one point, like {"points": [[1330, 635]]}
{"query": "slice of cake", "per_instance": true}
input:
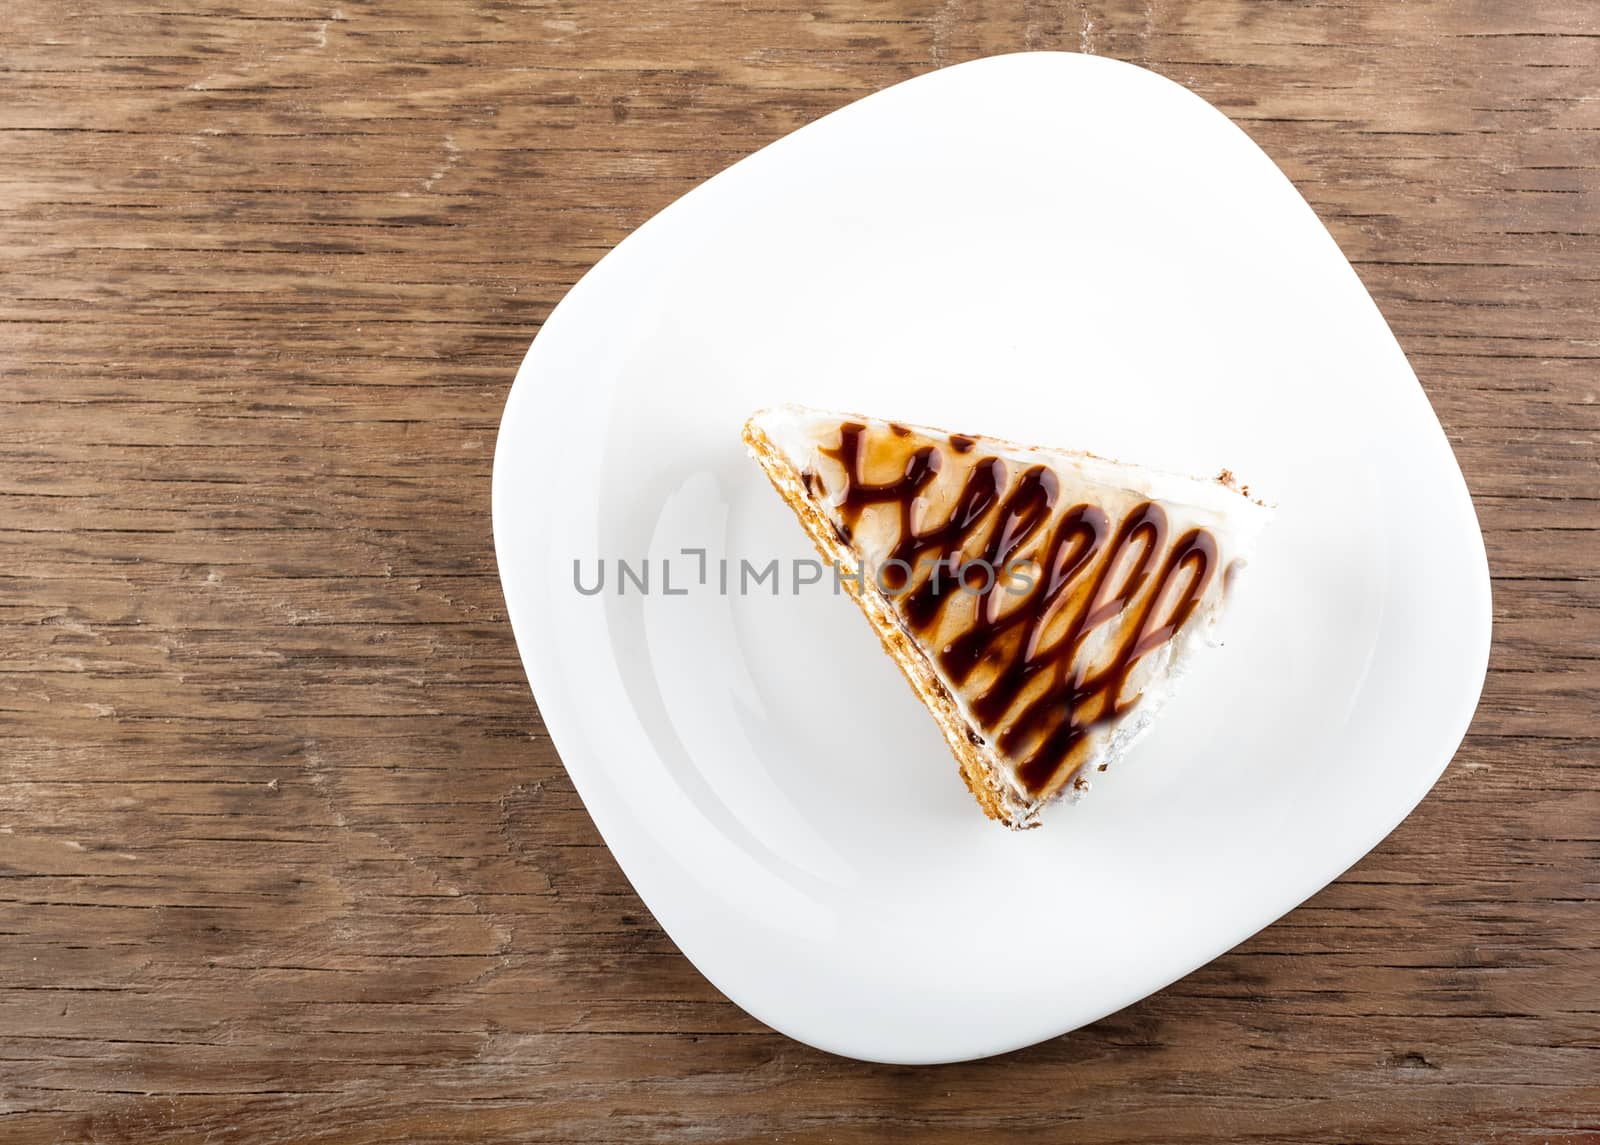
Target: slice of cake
{"points": [[1041, 602]]}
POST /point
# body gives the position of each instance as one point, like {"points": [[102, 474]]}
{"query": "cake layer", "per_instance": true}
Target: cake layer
{"points": [[1042, 602]]}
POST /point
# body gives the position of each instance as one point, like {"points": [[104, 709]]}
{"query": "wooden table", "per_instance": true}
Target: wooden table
{"points": [[285, 853]]}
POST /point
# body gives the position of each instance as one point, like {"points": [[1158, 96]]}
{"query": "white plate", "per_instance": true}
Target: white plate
{"points": [[1049, 247]]}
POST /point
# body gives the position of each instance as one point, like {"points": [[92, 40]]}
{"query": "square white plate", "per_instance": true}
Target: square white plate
{"points": [[1048, 247]]}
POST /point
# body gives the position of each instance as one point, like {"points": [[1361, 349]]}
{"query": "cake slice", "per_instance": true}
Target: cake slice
{"points": [[1041, 602]]}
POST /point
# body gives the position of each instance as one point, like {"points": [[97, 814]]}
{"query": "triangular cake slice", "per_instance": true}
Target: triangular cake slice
{"points": [[1041, 602]]}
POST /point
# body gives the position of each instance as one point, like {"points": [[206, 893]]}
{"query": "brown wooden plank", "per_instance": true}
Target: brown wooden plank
{"points": [[285, 854]]}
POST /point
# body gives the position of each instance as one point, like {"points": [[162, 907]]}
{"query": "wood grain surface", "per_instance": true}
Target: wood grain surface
{"points": [[285, 853]]}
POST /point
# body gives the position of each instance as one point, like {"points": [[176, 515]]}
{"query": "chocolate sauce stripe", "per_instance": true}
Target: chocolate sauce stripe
{"points": [[1043, 734]]}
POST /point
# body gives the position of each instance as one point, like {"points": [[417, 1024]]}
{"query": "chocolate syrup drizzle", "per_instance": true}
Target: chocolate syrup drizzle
{"points": [[1075, 561]]}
